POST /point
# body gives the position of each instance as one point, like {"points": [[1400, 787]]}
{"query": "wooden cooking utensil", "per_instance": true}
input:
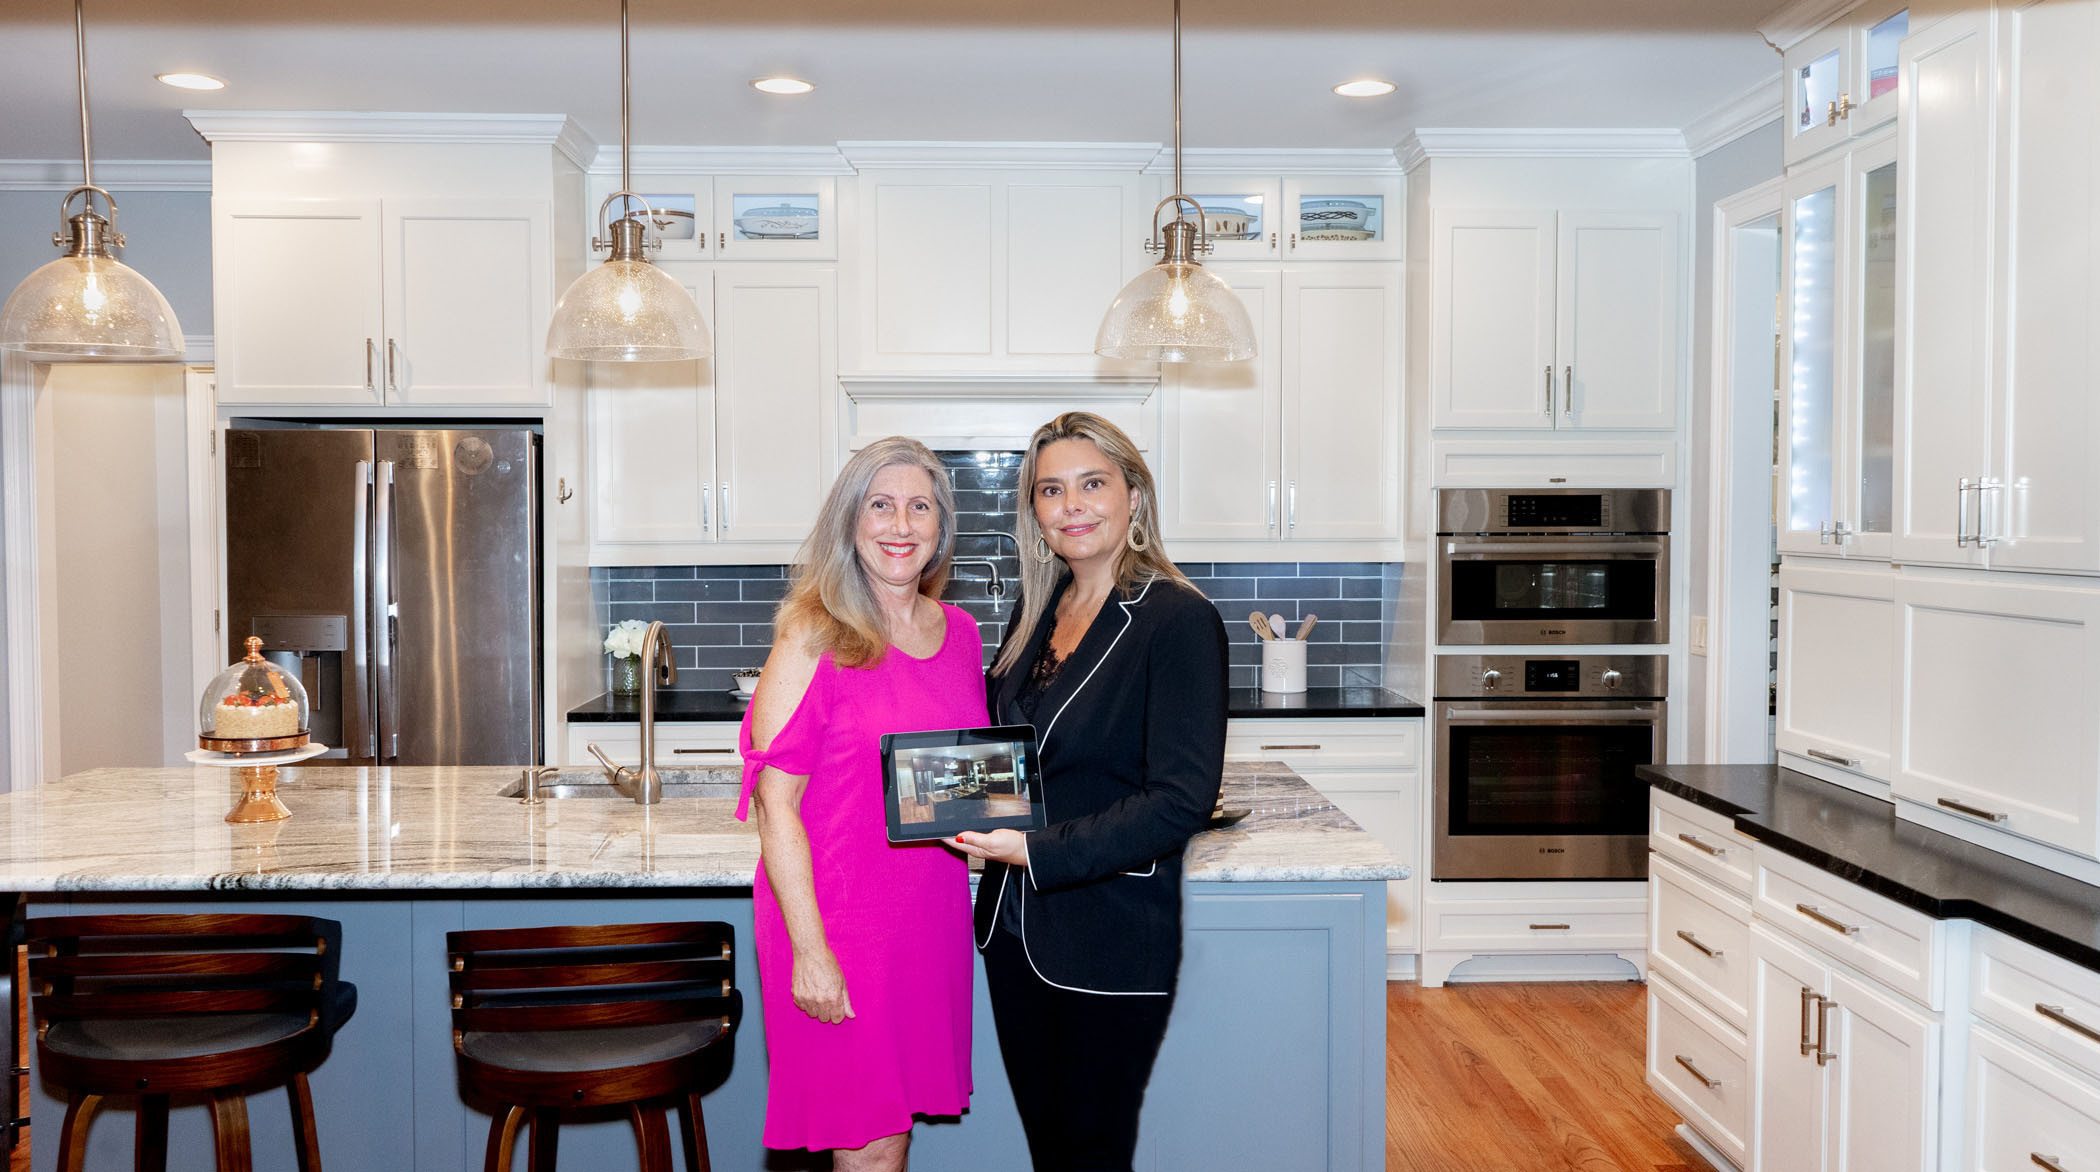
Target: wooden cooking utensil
{"points": [[1305, 628], [1260, 623]]}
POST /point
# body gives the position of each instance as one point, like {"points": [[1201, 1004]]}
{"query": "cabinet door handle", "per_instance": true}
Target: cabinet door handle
{"points": [[2048, 1162], [725, 507], [1294, 242], [1697, 844], [368, 365], [391, 384], [1709, 1083], [1807, 995], [1292, 511], [1961, 512], [1838, 926], [1834, 759], [1567, 393], [1551, 927], [1971, 811], [704, 491], [1271, 748], [1824, 1054], [1986, 511], [703, 752], [1694, 941], [2056, 1014], [1549, 391], [721, 241], [1272, 504]]}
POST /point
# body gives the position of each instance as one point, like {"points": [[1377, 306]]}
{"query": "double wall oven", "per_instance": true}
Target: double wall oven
{"points": [[1536, 750]]}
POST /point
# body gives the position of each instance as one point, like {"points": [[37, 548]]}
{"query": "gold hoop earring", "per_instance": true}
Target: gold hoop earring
{"points": [[1042, 550], [1130, 538]]}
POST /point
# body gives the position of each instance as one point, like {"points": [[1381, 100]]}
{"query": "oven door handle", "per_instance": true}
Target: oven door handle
{"points": [[1642, 714], [1607, 545]]}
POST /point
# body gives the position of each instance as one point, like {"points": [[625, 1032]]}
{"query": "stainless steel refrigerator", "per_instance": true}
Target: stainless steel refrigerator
{"points": [[397, 573]]}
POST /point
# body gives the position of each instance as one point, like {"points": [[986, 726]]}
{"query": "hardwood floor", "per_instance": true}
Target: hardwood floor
{"points": [[1535, 1077]]}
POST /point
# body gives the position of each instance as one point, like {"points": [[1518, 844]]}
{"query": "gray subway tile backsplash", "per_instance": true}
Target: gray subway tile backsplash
{"points": [[721, 616]]}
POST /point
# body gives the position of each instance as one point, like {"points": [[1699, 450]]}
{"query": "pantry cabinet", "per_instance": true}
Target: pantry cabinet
{"points": [[1303, 442], [727, 459], [1556, 320], [1842, 81], [413, 302]]}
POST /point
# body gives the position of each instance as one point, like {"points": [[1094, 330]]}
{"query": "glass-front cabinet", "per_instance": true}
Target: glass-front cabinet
{"points": [[1339, 217], [1841, 82], [1837, 420], [734, 217]]}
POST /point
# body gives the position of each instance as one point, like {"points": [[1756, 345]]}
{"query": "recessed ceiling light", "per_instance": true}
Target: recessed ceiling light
{"points": [[1364, 88], [782, 85], [191, 81]]}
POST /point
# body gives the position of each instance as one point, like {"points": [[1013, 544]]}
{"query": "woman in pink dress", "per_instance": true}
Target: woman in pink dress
{"points": [[863, 947]]}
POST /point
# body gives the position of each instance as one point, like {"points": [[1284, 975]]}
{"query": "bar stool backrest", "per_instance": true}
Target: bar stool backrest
{"points": [[583, 977], [141, 966]]}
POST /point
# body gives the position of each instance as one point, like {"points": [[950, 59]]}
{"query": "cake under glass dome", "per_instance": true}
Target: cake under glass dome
{"points": [[254, 706]]}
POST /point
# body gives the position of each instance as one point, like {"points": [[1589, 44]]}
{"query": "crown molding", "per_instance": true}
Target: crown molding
{"points": [[1491, 143], [555, 130], [1791, 23], [1277, 161], [1133, 387], [712, 160], [1755, 107], [1012, 156], [113, 174]]}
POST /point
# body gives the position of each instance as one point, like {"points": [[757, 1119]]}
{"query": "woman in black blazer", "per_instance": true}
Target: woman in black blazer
{"points": [[1119, 663]]}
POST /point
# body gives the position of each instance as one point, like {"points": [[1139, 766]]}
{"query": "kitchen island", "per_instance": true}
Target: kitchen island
{"points": [[1274, 1058]]}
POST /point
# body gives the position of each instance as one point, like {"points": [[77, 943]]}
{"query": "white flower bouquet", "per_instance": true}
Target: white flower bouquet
{"points": [[624, 641]]}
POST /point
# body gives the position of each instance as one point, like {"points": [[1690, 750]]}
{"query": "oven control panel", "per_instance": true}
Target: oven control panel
{"points": [[1551, 677]]}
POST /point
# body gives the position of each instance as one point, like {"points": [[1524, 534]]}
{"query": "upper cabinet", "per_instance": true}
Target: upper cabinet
{"points": [[1556, 320], [1842, 81], [1837, 448], [1335, 217], [735, 217]]}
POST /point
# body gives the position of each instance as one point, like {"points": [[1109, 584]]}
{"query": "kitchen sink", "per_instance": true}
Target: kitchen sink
{"points": [[591, 783]]}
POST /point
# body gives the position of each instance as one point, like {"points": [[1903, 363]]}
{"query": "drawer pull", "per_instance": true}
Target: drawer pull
{"points": [[2048, 1162], [1712, 1084], [1973, 812], [1695, 843], [692, 752], [1838, 926], [1272, 748], [2056, 1014], [1688, 938], [1550, 927], [1834, 759]]}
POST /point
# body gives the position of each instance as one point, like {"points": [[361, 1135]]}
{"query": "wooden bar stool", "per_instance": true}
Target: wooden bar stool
{"points": [[161, 1005], [632, 1015]]}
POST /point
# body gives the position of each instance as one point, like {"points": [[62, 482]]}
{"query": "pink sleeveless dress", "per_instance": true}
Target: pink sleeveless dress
{"points": [[897, 917]]}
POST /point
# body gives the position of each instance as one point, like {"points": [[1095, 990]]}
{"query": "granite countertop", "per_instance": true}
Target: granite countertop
{"points": [[686, 704], [1859, 839], [434, 828]]}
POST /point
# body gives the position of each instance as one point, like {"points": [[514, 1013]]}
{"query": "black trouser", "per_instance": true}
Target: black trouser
{"points": [[1078, 1062]]}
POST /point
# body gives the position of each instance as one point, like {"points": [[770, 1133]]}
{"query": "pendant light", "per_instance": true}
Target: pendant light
{"points": [[88, 305], [1176, 311], [626, 310]]}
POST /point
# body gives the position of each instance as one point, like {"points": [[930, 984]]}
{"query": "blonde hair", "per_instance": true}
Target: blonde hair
{"points": [[831, 605], [1134, 567]]}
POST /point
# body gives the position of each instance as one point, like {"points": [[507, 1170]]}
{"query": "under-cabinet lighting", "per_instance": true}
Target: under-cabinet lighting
{"points": [[782, 85], [190, 81], [1365, 87]]}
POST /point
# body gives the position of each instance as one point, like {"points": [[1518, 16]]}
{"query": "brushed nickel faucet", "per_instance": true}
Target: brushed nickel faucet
{"points": [[658, 665]]}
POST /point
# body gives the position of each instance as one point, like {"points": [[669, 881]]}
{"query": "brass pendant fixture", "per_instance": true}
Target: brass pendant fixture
{"points": [[88, 306]]}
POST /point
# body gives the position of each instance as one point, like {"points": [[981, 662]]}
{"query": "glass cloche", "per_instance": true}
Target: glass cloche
{"points": [[253, 706]]}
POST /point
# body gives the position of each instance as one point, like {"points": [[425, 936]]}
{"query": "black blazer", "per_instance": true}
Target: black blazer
{"points": [[1131, 747]]}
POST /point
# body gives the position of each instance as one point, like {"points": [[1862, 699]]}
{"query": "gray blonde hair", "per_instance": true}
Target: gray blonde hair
{"points": [[831, 604], [1134, 567]]}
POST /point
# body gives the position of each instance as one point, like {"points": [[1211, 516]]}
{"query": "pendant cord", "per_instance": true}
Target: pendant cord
{"points": [[87, 154], [1177, 100], [626, 180]]}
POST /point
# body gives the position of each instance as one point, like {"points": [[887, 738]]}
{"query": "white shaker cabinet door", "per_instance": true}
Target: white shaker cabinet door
{"points": [[1944, 288], [776, 380], [652, 448], [1618, 320], [1341, 403], [1218, 431], [1492, 356], [1837, 658], [1995, 686], [467, 302], [929, 293], [1885, 1079], [1790, 1104], [296, 298]]}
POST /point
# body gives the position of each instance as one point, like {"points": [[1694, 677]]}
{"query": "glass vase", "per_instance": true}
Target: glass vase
{"points": [[627, 675]]}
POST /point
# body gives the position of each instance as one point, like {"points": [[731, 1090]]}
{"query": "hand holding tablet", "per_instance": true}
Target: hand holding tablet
{"points": [[937, 784]]}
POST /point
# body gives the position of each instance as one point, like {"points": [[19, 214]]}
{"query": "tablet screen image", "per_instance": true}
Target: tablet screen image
{"points": [[938, 783]]}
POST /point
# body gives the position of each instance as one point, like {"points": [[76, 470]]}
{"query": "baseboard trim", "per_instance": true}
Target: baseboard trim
{"points": [[1440, 968], [1707, 1151]]}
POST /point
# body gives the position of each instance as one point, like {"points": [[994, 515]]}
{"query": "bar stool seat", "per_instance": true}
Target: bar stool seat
{"points": [[632, 1015], [160, 1005]]}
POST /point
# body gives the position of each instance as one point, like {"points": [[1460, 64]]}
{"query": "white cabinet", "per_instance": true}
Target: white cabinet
{"points": [[699, 744], [1556, 320], [736, 217], [1837, 448], [1335, 217], [2023, 1113], [1837, 665], [1995, 704], [1842, 81], [726, 459], [393, 302], [988, 271], [1303, 442]]}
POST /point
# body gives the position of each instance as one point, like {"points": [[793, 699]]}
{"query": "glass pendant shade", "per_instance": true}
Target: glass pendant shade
{"points": [[90, 307], [627, 311], [1176, 311]]}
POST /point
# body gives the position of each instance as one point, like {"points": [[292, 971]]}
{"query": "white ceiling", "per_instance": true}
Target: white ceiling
{"points": [[1257, 72]]}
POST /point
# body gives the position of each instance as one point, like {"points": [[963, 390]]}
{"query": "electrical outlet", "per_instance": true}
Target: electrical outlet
{"points": [[1698, 634]]}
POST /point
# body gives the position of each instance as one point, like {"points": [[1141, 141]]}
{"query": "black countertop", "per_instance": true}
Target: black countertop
{"points": [[676, 704], [1859, 839]]}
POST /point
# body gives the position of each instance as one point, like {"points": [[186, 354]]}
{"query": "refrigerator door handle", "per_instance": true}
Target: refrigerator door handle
{"points": [[384, 610], [358, 738]]}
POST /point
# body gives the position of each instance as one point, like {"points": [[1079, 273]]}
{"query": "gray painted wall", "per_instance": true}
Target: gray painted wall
{"points": [[170, 242], [1720, 173]]}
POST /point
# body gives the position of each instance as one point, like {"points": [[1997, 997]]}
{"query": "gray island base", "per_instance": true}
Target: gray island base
{"points": [[1274, 1059]]}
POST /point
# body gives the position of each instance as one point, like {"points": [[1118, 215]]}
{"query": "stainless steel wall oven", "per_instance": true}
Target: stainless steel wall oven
{"points": [[1560, 565], [1535, 759]]}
